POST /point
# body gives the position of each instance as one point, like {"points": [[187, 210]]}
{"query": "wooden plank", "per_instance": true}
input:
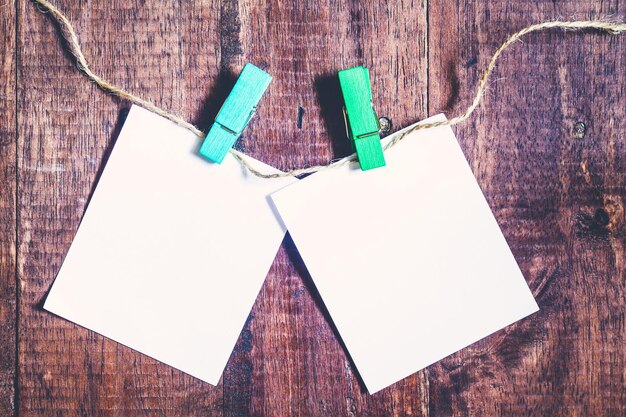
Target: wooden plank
{"points": [[558, 191], [288, 360], [8, 161], [162, 51]]}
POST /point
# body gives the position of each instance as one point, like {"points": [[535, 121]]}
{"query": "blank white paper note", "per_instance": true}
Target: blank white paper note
{"points": [[408, 258], [172, 250]]}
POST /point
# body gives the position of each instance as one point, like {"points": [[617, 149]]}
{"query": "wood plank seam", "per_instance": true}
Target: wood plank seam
{"points": [[16, 397]]}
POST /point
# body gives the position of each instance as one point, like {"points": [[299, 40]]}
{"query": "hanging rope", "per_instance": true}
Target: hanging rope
{"points": [[73, 44]]}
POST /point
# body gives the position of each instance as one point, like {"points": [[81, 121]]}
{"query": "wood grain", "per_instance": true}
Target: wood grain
{"points": [[288, 361], [558, 195], [68, 129], [557, 189], [8, 318]]}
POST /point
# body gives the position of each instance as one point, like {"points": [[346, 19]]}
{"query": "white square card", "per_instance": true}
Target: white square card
{"points": [[172, 250], [408, 258]]}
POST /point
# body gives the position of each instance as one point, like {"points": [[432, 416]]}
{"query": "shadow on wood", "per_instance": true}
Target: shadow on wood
{"points": [[330, 102], [298, 262], [218, 92]]}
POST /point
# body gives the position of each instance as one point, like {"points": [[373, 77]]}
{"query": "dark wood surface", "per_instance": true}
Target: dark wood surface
{"points": [[548, 149], [8, 223]]}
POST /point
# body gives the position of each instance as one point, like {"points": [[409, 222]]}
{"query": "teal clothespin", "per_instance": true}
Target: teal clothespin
{"points": [[235, 113], [361, 120]]}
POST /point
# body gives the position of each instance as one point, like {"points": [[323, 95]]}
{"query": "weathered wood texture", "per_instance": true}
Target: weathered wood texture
{"points": [[67, 126], [559, 196], [557, 192], [8, 319]]}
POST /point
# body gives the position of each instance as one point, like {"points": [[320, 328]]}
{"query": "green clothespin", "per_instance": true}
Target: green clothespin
{"points": [[235, 113], [361, 121]]}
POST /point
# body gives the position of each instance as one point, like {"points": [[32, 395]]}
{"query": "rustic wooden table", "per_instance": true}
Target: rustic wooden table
{"points": [[548, 149]]}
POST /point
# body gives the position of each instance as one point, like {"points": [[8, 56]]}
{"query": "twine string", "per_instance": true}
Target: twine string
{"points": [[73, 44]]}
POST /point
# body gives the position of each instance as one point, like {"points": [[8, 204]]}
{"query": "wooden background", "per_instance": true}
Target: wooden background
{"points": [[548, 149]]}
